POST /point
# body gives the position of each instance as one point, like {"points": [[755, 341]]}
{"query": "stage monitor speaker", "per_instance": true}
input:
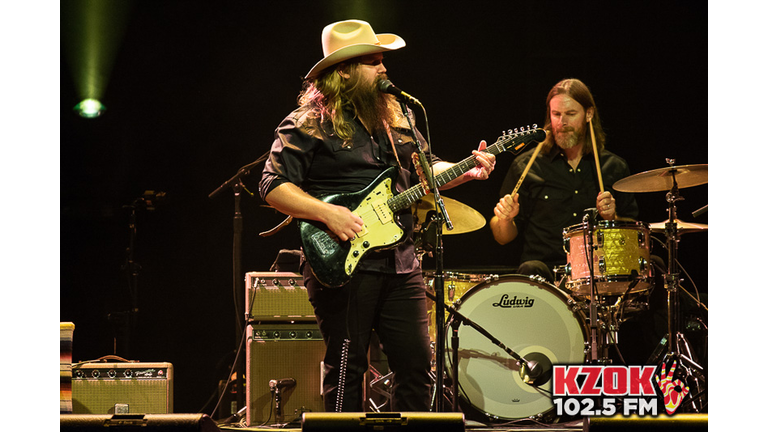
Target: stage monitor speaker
{"points": [[137, 422], [385, 421], [282, 352], [122, 388], [663, 423]]}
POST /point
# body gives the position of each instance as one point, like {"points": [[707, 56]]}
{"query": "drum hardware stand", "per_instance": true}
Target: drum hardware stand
{"points": [[597, 344], [382, 385], [678, 348]]}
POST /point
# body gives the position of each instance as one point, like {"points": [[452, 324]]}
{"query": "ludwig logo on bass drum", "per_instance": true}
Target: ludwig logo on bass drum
{"points": [[514, 302]]}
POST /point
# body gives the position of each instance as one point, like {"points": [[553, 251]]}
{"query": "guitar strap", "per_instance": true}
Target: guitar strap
{"points": [[392, 143]]}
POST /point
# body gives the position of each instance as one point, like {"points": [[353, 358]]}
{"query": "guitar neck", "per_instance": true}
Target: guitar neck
{"points": [[514, 142]]}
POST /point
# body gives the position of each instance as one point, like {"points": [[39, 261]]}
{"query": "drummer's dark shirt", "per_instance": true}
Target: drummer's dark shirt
{"points": [[554, 196]]}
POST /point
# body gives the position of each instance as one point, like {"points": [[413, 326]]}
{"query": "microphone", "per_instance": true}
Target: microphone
{"points": [[282, 383], [536, 369], [590, 215], [386, 86]]}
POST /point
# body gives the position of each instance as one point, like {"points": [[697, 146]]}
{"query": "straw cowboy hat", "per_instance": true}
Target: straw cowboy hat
{"points": [[344, 40]]}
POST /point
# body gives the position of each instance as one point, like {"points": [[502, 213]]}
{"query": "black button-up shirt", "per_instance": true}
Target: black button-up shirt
{"points": [[554, 195], [308, 154]]}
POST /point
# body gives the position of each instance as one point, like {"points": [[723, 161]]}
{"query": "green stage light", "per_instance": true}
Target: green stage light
{"points": [[90, 108]]}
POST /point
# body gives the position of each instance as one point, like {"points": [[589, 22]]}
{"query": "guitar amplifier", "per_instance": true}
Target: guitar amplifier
{"points": [[122, 388], [66, 332], [277, 296], [277, 351]]}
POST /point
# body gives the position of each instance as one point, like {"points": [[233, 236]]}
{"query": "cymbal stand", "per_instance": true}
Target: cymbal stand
{"points": [[678, 348]]}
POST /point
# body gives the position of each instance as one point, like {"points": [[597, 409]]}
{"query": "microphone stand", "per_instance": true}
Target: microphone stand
{"points": [[440, 218], [459, 319], [588, 219], [238, 279]]}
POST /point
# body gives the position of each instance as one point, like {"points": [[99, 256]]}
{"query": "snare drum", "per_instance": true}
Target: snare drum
{"points": [[620, 248], [527, 315]]}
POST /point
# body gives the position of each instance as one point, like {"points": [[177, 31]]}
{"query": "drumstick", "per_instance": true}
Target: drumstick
{"points": [[597, 157], [525, 171]]}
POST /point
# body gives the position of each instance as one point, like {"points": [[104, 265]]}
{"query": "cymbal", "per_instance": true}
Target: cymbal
{"points": [[662, 179], [464, 218], [682, 227]]}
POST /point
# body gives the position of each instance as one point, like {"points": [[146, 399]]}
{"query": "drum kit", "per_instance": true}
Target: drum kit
{"points": [[504, 332]]}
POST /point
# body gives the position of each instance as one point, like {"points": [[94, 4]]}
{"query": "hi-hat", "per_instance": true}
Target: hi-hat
{"points": [[682, 227], [663, 179], [464, 218]]}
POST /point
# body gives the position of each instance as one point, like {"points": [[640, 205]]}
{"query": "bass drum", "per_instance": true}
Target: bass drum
{"points": [[527, 315]]}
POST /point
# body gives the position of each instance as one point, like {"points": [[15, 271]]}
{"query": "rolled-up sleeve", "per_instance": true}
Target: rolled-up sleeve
{"points": [[289, 158]]}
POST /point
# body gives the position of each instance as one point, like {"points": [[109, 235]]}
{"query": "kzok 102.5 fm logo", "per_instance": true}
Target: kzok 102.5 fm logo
{"points": [[611, 390]]}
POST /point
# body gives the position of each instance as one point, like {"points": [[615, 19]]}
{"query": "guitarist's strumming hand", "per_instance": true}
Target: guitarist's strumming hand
{"points": [[342, 222]]}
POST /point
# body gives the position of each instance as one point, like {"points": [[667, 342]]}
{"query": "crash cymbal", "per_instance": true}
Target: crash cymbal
{"points": [[662, 179], [464, 218], [682, 227]]}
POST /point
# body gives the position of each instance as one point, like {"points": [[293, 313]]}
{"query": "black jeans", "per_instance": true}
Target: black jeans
{"points": [[395, 307]]}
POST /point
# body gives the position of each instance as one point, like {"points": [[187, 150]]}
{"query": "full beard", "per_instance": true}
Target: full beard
{"points": [[372, 106], [568, 138]]}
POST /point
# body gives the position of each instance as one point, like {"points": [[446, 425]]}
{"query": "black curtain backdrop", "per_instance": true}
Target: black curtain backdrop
{"points": [[196, 89]]}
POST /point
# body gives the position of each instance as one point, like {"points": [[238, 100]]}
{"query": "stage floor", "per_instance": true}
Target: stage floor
{"points": [[470, 426]]}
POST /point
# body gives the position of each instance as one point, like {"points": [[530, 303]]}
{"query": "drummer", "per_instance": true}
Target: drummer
{"points": [[561, 183]]}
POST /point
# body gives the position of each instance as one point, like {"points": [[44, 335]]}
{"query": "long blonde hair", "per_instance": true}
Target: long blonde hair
{"points": [[329, 94]]}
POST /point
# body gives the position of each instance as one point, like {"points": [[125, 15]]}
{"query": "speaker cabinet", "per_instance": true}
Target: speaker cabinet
{"points": [[122, 388], [137, 422], [385, 421], [280, 352]]}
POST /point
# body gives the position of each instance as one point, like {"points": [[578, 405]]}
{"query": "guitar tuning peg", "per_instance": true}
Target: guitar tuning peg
{"points": [[535, 126], [515, 130]]}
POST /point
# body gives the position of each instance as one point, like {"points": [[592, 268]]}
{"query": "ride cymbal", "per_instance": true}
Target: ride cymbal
{"points": [[663, 179]]}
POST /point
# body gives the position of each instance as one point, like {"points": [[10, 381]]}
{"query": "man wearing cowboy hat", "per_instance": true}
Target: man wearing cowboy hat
{"points": [[344, 134]]}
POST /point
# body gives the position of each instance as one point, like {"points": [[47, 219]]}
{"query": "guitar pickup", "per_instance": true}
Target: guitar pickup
{"points": [[382, 212]]}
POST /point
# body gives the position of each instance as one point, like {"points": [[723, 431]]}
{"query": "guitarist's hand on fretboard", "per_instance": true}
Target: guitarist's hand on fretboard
{"points": [[485, 163]]}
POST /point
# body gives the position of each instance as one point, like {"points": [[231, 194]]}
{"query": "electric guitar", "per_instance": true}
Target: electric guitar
{"points": [[334, 262]]}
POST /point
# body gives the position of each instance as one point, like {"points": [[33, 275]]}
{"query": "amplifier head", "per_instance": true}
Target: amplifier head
{"points": [[277, 296]]}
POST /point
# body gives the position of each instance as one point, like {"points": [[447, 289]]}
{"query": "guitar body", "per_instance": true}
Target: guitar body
{"points": [[334, 262]]}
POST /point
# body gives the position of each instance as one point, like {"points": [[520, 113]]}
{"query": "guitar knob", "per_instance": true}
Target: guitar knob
{"points": [[366, 244], [356, 253]]}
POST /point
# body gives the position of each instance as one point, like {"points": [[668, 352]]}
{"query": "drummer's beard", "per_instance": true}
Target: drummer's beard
{"points": [[569, 137]]}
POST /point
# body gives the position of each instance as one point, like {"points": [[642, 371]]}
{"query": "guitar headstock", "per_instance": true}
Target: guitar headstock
{"points": [[515, 140], [516, 132]]}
